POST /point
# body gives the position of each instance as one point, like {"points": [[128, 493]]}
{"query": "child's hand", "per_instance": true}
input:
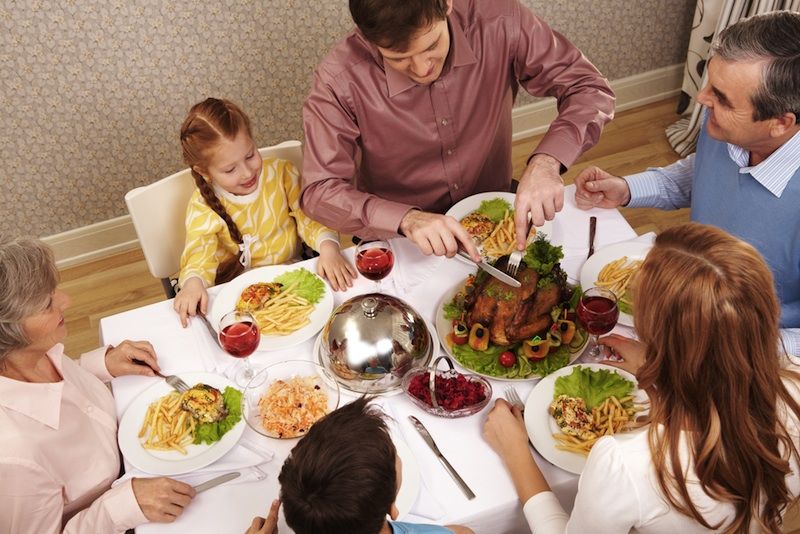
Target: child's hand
{"points": [[268, 525], [334, 268], [192, 293]]}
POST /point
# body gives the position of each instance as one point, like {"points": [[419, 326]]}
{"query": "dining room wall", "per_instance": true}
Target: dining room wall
{"points": [[93, 91]]}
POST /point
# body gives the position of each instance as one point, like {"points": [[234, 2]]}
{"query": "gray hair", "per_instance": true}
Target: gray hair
{"points": [[28, 276], [775, 38]]}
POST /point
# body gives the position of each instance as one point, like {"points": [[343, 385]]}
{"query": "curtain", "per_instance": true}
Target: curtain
{"points": [[710, 18]]}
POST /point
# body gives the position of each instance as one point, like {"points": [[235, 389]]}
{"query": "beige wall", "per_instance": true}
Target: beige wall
{"points": [[92, 91]]}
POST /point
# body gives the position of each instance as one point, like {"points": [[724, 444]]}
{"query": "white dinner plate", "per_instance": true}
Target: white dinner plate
{"points": [[445, 325], [409, 487], [634, 250], [172, 462], [226, 300], [541, 425]]}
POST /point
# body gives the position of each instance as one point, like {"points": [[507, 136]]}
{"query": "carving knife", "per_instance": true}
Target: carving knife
{"points": [[492, 271]]}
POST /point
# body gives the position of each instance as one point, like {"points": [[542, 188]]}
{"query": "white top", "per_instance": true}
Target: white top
{"points": [[619, 492]]}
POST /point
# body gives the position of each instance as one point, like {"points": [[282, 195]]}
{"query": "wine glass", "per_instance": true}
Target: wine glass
{"points": [[598, 313], [374, 260], [239, 336]]}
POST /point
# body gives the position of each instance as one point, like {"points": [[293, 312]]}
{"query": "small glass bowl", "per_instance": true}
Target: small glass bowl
{"points": [[440, 410], [286, 370]]}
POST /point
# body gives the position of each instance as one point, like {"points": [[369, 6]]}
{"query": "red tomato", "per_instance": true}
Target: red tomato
{"points": [[507, 359]]}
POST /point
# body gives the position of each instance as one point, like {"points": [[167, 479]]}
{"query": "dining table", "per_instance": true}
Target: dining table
{"points": [[420, 281]]}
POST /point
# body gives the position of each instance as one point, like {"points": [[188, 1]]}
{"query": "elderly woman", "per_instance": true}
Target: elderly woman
{"points": [[58, 447], [721, 450]]}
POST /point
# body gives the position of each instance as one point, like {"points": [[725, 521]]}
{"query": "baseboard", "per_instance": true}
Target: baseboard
{"points": [[633, 91], [118, 235]]}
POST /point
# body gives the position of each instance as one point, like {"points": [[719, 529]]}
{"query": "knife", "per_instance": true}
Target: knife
{"points": [[592, 231], [216, 481], [493, 271], [209, 327], [432, 444]]}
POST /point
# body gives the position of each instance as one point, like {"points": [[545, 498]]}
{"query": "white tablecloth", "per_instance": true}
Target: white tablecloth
{"points": [[420, 281]]}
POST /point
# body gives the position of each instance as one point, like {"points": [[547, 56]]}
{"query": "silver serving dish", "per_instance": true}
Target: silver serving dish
{"points": [[371, 341]]}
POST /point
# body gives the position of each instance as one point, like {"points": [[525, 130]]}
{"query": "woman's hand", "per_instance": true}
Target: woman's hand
{"points": [[162, 499], [268, 525], [192, 293], [120, 359], [334, 268], [505, 430], [631, 350]]}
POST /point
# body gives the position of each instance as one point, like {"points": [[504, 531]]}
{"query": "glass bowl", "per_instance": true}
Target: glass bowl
{"points": [[285, 399], [421, 378]]}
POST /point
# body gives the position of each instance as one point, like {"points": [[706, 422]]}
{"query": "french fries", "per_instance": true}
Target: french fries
{"points": [[617, 276], [283, 313], [502, 240], [613, 416], [167, 426]]}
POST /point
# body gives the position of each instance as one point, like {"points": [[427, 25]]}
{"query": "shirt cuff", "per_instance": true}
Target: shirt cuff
{"points": [[95, 362], [326, 236], [644, 188], [544, 514], [194, 274], [791, 342], [386, 216], [564, 148], [122, 507]]}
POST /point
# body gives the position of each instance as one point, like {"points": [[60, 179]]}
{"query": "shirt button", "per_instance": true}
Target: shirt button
{"points": [[89, 409], [450, 151], [444, 122], [455, 186]]}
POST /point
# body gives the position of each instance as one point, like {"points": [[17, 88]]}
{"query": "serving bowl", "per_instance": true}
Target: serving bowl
{"points": [[285, 399], [447, 393], [371, 341]]}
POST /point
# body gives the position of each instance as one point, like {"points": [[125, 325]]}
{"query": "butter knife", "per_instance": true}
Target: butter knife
{"points": [[216, 481], [493, 271], [592, 231], [210, 328], [432, 444]]}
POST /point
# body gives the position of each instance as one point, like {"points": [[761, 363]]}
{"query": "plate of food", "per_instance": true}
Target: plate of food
{"points": [[489, 219], [164, 432], [289, 303], [510, 333], [569, 410], [614, 267]]}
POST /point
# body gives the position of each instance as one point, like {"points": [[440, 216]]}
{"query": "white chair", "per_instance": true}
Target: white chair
{"points": [[158, 211]]}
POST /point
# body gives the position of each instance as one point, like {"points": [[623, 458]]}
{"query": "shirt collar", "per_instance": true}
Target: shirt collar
{"points": [[39, 401], [249, 198], [776, 171], [460, 54]]}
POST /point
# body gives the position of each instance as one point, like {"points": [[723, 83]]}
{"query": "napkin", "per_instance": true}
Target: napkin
{"points": [[411, 266]]}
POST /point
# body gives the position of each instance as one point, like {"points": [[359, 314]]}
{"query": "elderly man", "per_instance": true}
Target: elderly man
{"points": [[411, 113], [745, 175]]}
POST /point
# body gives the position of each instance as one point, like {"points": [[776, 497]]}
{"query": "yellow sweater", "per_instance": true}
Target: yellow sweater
{"points": [[269, 220]]}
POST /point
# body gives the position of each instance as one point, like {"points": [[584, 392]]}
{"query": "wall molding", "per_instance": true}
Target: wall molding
{"points": [[117, 235]]}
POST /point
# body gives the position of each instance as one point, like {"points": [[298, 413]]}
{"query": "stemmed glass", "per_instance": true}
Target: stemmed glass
{"points": [[374, 260], [598, 313], [239, 336]]}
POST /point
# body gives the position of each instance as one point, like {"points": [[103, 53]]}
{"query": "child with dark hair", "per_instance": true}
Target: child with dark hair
{"points": [[343, 476]]}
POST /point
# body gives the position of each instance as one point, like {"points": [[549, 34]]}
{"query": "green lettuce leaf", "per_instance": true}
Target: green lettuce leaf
{"points": [[309, 285], [541, 256], [495, 209], [592, 386], [213, 432]]}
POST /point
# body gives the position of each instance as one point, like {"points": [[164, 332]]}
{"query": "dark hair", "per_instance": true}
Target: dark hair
{"points": [[341, 476], [208, 122], [392, 23], [775, 38]]}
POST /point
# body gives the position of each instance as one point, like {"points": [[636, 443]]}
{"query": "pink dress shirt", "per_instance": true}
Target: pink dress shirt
{"points": [[59, 455], [378, 144]]}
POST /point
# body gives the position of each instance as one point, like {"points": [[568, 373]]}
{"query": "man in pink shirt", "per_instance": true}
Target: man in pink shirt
{"points": [[411, 112]]}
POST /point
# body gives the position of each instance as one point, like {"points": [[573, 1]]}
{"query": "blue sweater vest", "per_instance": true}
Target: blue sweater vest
{"points": [[743, 207]]}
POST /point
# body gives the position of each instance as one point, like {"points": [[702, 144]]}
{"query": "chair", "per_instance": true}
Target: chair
{"points": [[158, 211]]}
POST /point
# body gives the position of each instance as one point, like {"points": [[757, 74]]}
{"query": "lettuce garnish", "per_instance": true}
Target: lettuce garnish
{"points": [[309, 286], [213, 432], [592, 386]]}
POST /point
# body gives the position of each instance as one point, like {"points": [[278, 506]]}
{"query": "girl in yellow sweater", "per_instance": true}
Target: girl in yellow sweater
{"points": [[245, 212]]}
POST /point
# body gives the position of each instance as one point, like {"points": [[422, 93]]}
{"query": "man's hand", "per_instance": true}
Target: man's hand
{"points": [[437, 234], [119, 359], [162, 499], [595, 188], [268, 525], [540, 193]]}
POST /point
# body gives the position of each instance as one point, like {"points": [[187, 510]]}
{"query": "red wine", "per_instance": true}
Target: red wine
{"points": [[375, 263], [240, 339], [598, 314]]}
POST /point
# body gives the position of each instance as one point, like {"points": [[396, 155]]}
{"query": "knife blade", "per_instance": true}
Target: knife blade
{"points": [[492, 271], [216, 481], [592, 231], [210, 328], [432, 444]]}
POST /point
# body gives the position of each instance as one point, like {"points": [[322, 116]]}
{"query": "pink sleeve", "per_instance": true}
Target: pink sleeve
{"points": [[95, 362], [31, 502]]}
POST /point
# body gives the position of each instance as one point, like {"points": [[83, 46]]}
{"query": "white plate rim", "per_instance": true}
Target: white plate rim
{"points": [[409, 487], [129, 425], [443, 328], [225, 301], [635, 250], [540, 425]]}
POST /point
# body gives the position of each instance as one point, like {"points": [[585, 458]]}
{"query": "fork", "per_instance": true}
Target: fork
{"points": [[172, 380], [514, 259], [514, 400]]}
